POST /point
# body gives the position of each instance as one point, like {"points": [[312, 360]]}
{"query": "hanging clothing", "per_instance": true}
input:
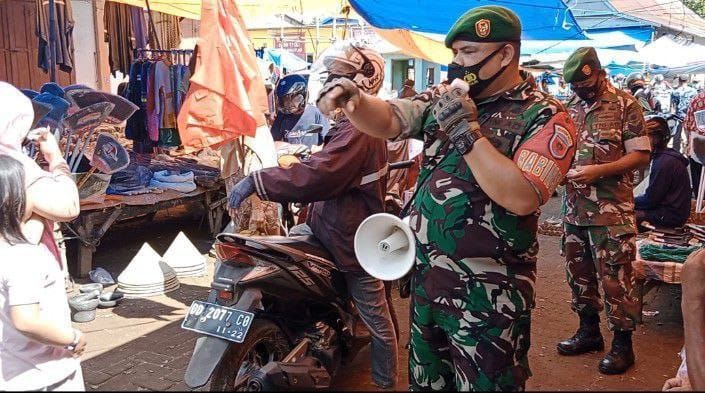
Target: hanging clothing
{"points": [[139, 27], [63, 25], [118, 33], [158, 88], [168, 31]]}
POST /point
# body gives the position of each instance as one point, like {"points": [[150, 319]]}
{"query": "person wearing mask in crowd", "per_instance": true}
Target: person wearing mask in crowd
{"points": [[408, 90], [637, 87], [599, 227], [666, 201], [492, 156], [293, 111], [346, 182], [681, 99], [662, 92], [39, 348], [695, 126]]}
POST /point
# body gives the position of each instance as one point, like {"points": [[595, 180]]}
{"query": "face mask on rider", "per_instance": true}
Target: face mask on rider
{"points": [[471, 74]]}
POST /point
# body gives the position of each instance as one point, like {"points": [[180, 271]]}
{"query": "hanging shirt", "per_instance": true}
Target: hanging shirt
{"points": [[164, 95], [152, 111], [139, 27], [118, 32], [64, 34], [136, 128]]}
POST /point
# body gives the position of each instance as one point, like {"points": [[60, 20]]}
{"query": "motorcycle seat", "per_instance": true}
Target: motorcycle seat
{"points": [[308, 244]]}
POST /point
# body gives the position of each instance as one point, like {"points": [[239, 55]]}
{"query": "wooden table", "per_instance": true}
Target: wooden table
{"points": [[95, 219]]}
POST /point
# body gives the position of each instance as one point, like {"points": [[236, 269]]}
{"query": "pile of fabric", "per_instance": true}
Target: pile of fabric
{"points": [[173, 180], [163, 172], [665, 253]]}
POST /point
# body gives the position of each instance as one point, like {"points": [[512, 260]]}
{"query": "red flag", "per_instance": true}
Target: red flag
{"points": [[226, 97]]}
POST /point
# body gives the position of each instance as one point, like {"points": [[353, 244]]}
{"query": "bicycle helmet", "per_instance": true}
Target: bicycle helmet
{"points": [[291, 94]]}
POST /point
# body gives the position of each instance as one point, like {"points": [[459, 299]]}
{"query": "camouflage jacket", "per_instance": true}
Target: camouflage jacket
{"points": [[452, 217], [607, 130]]}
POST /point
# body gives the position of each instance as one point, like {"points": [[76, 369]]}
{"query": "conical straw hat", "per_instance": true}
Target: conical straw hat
{"points": [[146, 269], [183, 254]]}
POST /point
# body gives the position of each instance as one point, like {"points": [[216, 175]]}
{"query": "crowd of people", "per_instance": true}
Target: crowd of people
{"points": [[497, 146]]}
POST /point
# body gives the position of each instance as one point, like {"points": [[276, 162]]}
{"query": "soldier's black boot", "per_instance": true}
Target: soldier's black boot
{"points": [[620, 357], [587, 338]]}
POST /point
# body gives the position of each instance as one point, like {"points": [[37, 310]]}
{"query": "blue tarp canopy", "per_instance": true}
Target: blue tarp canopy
{"points": [[541, 19]]}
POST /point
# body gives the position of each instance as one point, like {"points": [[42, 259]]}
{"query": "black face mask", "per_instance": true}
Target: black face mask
{"points": [[471, 74], [587, 93]]}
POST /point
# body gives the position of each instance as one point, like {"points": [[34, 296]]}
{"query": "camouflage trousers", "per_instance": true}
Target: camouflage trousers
{"points": [[471, 330], [602, 255]]}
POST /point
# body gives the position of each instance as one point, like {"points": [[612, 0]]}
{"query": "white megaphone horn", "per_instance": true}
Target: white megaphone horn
{"points": [[385, 246]]}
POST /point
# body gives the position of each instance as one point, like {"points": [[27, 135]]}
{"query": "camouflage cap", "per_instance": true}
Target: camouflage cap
{"points": [[486, 24], [581, 65]]}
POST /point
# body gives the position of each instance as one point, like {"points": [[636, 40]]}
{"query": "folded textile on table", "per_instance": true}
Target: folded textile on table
{"points": [[134, 177], [174, 180], [665, 253]]}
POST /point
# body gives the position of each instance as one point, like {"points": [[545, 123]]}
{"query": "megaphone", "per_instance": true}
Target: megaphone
{"points": [[385, 246]]}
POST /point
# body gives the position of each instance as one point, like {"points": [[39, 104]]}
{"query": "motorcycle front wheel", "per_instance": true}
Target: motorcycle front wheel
{"points": [[265, 342]]}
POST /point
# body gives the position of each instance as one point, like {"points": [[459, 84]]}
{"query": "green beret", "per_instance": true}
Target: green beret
{"points": [[581, 65], [486, 24]]}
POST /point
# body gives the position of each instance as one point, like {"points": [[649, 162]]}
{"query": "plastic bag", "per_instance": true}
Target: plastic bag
{"points": [[101, 275]]}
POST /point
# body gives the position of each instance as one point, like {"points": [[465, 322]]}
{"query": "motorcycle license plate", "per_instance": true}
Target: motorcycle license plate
{"points": [[215, 320]]}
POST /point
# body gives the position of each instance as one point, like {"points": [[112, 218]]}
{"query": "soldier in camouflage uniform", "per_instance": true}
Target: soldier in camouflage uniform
{"points": [[599, 236], [489, 162]]}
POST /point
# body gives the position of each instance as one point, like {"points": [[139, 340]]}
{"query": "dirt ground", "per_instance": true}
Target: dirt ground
{"points": [[139, 345]]}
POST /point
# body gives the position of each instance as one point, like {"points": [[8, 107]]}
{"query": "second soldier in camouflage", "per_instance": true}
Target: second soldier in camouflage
{"points": [[599, 237]]}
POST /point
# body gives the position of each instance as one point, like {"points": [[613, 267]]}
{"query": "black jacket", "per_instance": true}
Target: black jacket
{"points": [[667, 199]]}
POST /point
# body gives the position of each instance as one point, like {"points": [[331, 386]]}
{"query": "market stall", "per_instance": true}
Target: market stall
{"points": [[97, 218]]}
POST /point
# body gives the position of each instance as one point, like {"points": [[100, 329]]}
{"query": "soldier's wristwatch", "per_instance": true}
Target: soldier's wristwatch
{"points": [[463, 141]]}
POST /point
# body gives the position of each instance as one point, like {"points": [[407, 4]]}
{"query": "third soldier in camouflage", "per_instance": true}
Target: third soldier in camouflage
{"points": [[599, 236]]}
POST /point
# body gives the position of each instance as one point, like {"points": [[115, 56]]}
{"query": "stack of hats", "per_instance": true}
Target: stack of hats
{"points": [[184, 258], [147, 275]]}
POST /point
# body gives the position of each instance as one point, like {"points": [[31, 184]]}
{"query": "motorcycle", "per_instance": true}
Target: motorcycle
{"points": [[278, 316]]}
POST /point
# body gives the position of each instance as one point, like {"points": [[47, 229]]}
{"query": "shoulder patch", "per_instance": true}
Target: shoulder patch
{"points": [[560, 142]]}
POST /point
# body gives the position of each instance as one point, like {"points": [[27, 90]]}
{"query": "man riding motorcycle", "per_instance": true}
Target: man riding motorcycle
{"points": [[293, 113], [347, 183]]}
